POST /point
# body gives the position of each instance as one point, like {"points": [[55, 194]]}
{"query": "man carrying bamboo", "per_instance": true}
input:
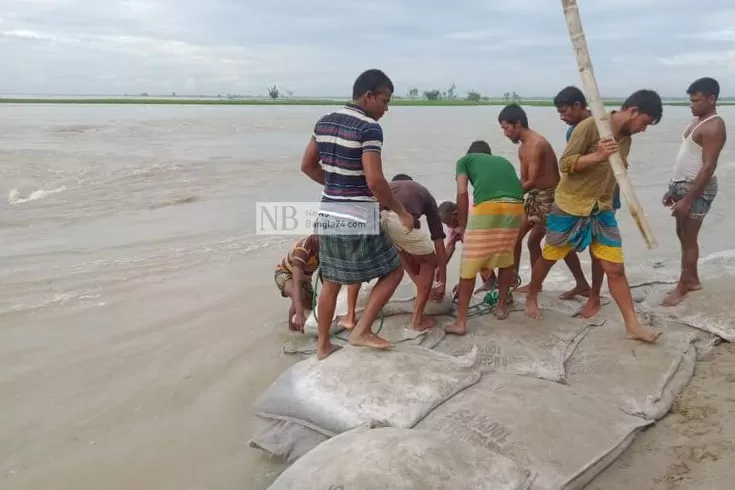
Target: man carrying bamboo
{"points": [[582, 215], [694, 185]]}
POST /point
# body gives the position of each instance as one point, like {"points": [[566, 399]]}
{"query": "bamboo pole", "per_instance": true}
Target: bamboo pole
{"points": [[579, 42]]}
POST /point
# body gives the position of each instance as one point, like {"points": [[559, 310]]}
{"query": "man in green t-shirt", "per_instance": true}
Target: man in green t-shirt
{"points": [[491, 230]]}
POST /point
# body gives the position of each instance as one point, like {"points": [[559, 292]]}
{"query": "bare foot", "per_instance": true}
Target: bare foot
{"points": [[456, 329], [577, 291], [501, 312], [695, 287], [675, 297], [639, 333], [369, 340], [532, 310], [348, 323], [590, 308], [324, 352], [426, 323]]}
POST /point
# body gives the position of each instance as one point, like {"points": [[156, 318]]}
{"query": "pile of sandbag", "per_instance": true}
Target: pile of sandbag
{"points": [[391, 458], [396, 306], [559, 433], [393, 323], [353, 387], [519, 403], [519, 345]]}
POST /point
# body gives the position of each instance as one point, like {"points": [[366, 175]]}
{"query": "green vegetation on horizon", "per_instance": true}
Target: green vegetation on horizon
{"points": [[306, 102]]}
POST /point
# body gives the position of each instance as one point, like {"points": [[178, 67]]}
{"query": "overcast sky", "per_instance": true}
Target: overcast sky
{"points": [[318, 47]]}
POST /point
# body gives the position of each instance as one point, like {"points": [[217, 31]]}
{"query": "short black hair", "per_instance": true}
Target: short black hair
{"points": [[372, 80], [648, 102], [513, 114], [568, 96], [479, 146], [397, 177], [447, 208], [706, 86]]}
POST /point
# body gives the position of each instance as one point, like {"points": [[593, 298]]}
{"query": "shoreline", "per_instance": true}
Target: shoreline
{"points": [[305, 102]]}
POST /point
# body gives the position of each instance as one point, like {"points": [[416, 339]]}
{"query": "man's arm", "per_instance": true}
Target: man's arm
{"points": [[310, 162], [436, 229], [576, 158], [297, 276], [372, 164], [463, 201], [713, 140], [534, 160], [301, 254]]}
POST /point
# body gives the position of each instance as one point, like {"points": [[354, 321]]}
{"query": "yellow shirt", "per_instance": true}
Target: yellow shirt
{"points": [[579, 191]]}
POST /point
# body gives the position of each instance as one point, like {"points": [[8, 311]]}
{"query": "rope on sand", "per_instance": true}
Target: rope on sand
{"points": [[317, 276]]}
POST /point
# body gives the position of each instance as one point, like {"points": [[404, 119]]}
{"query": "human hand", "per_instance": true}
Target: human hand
{"points": [[667, 200], [681, 209], [407, 221], [605, 148], [299, 320], [438, 291]]}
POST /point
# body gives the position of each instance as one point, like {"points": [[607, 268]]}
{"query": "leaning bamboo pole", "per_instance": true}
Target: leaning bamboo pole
{"points": [[579, 42]]}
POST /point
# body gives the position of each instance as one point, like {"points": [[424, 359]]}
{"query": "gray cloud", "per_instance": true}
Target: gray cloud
{"points": [[318, 47]]}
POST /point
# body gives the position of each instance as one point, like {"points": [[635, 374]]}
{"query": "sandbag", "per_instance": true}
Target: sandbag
{"points": [[394, 329], [708, 309], [285, 440], [641, 379], [565, 437], [355, 386], [401, 459], [396, 306], [519, 345]]}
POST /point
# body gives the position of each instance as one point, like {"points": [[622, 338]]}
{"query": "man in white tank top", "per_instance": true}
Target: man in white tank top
{"points": [[694, 185]]}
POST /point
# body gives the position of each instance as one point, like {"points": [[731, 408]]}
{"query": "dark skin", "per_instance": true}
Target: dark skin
{"points": [[300, 301], [624, 122], [375, 105], [539, 170], [711, 137]]}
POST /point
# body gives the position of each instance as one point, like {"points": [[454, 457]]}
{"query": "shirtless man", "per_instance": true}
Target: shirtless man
{"points": [[694, 185], [422, 251], [539, 176], [583, 216]]}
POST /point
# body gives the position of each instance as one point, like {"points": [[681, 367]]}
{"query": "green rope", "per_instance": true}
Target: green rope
{"points": [[316, 292], [489, 301]]}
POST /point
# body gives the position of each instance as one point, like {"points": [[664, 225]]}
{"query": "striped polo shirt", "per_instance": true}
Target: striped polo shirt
{"points": [[342, 137]]}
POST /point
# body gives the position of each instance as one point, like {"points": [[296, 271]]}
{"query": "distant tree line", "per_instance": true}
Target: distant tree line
{"points": [[450, 94]]}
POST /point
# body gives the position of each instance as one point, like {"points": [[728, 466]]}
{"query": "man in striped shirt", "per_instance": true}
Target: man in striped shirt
{"points": [[344, 155]]}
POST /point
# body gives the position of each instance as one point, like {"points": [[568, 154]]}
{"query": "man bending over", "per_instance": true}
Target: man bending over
{"points": [[491, 230], [422, 252], [293, 279], [449, 216]]}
